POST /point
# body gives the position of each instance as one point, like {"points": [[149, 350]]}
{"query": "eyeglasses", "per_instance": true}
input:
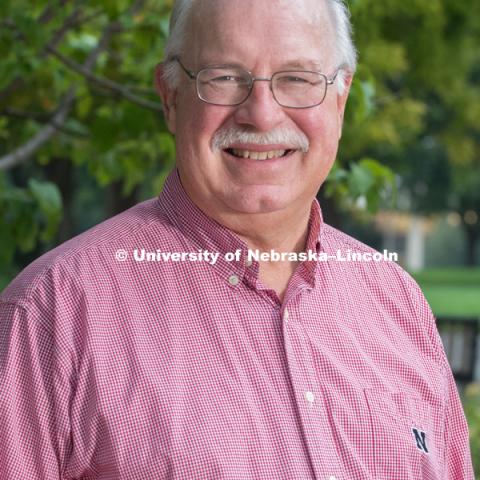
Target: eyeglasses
{"points": [[231, 86]]}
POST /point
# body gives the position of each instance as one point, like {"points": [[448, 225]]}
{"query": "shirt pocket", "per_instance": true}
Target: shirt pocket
{"points": [[407, 436]]}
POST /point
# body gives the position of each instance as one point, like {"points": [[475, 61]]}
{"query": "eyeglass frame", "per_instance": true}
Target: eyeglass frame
{"points": [[194, 76]]}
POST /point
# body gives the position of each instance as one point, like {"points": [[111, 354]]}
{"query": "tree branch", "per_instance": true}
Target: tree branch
{"points": [[49, 12], [57, 37], [60, 33], [40, 117], [142, 90], [23, 153], [106, 83]]}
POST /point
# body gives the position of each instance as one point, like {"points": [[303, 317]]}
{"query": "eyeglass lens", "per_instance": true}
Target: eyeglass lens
{"points": [[231, 86]]}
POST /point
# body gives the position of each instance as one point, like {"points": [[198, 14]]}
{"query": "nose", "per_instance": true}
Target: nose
{"points": [[260, 111]]}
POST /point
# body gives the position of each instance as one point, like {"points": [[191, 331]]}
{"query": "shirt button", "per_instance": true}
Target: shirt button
{"points": [[233, 280], [285, 315], [309, 397]]}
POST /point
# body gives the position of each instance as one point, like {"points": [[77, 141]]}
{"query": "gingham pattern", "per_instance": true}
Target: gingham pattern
{"points": [[128, 370]]}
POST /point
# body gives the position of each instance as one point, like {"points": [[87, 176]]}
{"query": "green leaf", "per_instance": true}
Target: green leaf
{"points": [[84, 103], [49, 201], [360, 179], [77, 127], [46, 194], [361, 101]]}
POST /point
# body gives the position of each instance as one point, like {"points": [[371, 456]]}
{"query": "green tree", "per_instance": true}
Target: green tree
{"points": [[77, 108], [76, 93], [419, 64]]}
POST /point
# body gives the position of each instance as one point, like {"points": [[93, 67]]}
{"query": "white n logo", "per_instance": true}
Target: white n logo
{"points": [[421, 439]]}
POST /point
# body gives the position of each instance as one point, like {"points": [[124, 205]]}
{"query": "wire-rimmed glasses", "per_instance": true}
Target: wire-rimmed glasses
{"points": [[228, 85]]}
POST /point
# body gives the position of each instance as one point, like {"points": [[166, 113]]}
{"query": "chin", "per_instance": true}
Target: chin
{"points": [[251, 202]]}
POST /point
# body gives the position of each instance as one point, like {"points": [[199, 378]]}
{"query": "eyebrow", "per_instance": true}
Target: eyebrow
{"points": [[225, 65], [294, 64], [303, 65]]}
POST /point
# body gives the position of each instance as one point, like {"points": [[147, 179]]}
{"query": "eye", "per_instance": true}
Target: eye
{"points": [[293, 79], [228, 79]]}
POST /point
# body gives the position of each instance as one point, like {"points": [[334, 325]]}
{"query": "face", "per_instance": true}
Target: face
{"points": [[262, 36]]}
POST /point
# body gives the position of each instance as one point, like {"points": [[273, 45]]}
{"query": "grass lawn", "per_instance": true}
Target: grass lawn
{"points": [[452, 292]]}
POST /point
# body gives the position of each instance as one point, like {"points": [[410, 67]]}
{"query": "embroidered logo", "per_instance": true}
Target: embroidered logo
{"points": [[421, 439]]}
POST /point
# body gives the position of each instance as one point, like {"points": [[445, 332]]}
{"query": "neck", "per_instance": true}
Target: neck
{"points": [[282, 232], [279, 231]]}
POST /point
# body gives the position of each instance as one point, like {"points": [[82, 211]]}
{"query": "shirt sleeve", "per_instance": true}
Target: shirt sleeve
{"points": [[458, 462], [458, 458], [34, 398]]}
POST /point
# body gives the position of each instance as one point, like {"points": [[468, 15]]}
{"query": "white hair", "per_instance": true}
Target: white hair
{"points": [[227, 136], [345, 52]]}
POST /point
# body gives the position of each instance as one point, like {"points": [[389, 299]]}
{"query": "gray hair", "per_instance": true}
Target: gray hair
{"points": [[345, 54], [227, 136]]}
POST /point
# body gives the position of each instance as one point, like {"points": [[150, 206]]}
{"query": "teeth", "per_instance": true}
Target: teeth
{"points": [[258, 155]]}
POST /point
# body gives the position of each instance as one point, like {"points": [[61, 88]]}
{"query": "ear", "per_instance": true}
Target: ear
{"points": [[168, 96], [342, 100]]}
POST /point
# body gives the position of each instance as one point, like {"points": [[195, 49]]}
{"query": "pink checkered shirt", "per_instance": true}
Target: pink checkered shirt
{"points": [[113, 368]]}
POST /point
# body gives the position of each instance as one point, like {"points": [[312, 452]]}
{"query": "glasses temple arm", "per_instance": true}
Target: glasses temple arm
{"points": [[191, 75]]}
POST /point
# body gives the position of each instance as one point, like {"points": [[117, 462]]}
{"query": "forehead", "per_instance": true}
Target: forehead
{"points": [[244, 30]]}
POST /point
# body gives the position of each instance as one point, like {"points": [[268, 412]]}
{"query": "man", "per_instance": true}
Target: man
{"points": [[120, 361]]}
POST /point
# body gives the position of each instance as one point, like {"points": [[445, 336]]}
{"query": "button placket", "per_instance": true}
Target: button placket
{"points": [[308, 393]]}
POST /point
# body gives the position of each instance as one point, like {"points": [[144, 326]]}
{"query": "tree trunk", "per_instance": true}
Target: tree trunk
{"points": [[117, 202], [472, 233], [60, 171]]}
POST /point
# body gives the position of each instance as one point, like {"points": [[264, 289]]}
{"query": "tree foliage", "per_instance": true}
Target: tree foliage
{"points": [[76, 85], [420, 71], [76, 89]]}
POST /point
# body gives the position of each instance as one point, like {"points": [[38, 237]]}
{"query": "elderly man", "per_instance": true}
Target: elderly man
{"points": [[122, 359]]}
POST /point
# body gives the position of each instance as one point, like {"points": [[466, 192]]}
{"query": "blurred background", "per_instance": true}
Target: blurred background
{"points": [[82, 137]]}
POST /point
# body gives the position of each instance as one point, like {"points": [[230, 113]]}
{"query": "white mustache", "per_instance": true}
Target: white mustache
{"points": [[226, 137]]}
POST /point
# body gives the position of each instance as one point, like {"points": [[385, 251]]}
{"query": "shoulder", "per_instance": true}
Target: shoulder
{"points": [[380, 266], [87, 254], [384, 285]]}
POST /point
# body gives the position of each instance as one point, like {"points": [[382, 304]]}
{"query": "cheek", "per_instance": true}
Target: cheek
{"points": [[322, 129], [198, 122]]}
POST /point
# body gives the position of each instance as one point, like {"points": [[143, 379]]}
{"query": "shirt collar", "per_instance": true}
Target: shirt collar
{"points": [[207, 234]]}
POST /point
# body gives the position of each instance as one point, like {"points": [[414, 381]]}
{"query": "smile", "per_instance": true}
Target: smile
{"points": [[253, 155]]}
